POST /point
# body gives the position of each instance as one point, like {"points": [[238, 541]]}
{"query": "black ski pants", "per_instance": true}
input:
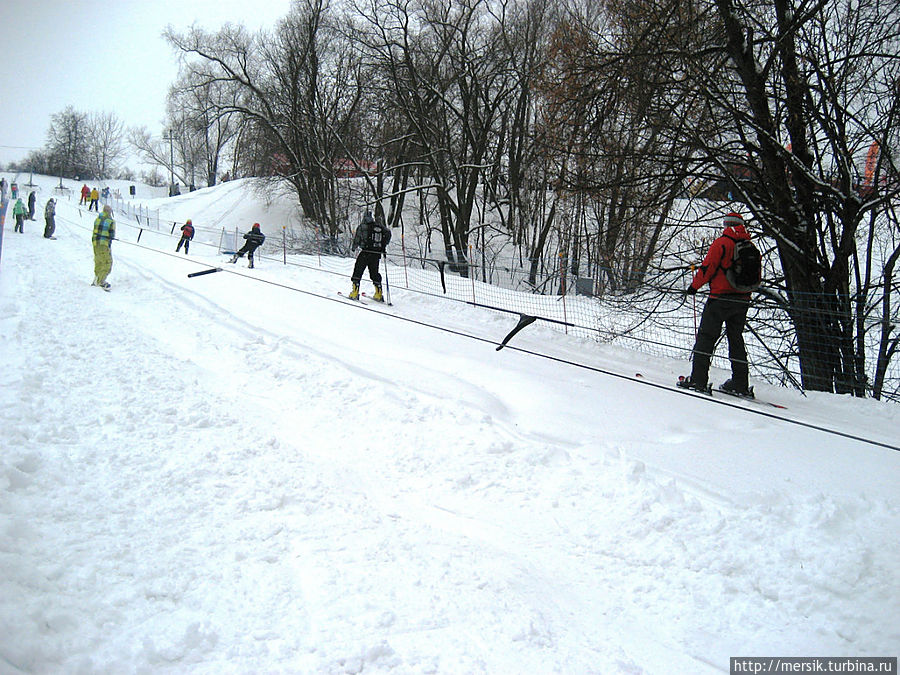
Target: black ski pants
{"points": [[184, 242], [731, 311], [247, 248], [370, 260]]}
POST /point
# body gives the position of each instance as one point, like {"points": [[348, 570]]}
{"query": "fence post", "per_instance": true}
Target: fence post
{"points": [[471, 273], [562, 287], [405, 266]]}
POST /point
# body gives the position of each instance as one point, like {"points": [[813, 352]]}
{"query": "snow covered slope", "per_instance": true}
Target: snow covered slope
{"points": [[242, 472]]}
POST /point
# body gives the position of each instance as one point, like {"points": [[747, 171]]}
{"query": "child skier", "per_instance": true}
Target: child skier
{"points": [[187, 233], [255, 239]]}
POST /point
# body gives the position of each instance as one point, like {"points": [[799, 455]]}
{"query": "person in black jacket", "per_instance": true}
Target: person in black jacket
{"points": [[255, 239], [31, 201], [372, 237], [187, 233]]}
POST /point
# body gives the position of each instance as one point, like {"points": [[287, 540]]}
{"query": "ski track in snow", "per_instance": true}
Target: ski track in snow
{"points": [[195, 480]]}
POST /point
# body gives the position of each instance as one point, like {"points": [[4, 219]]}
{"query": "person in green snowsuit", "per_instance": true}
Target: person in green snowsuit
{"points": [[104, 233], [19, 212]]}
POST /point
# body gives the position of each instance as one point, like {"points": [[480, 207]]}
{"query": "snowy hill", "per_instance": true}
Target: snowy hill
{"points": [[243, 472]]}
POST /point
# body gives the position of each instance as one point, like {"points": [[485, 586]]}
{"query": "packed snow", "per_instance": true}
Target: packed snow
{"points": [[245, 472]]}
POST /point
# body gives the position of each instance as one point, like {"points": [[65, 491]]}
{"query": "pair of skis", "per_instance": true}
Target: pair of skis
{"points": [[750, 396], [367, 301]]}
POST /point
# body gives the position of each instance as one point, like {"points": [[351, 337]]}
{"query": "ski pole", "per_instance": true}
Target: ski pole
{"points": [[694, 297], [387, 285]]}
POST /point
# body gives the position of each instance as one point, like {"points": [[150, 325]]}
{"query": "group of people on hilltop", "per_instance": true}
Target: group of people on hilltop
{"points": [[91, 197]]}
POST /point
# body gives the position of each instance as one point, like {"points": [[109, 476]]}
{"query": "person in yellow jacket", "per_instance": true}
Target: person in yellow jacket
{"points": [[104, 233], [95, 200]]}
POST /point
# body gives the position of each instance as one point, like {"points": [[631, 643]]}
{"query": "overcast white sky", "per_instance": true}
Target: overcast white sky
{"points": [[99, 56]]}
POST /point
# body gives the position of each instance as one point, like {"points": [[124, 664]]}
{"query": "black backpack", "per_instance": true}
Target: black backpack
{"points": [[745, 272], [376, 238]]}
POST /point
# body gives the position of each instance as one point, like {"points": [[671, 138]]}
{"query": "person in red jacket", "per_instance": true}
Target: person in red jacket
{"points": [[187, 233], [85, 195], [726, 305]]}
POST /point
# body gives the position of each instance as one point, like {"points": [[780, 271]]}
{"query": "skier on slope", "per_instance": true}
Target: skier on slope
{"points": [[31, 201], [85, 195], [726, 305], [187, 233], [19, 213], [104, 233], [50, 219], [255, 239], [372, 238], [95, 199]]}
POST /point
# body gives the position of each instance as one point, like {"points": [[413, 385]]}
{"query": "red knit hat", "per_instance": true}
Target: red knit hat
{"points": [[733, 220], [255, 226]]}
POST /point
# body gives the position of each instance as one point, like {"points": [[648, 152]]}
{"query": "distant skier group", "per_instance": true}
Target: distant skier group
{"points": [[371, 237], [91, 197], [732, 268], [21, 212]]}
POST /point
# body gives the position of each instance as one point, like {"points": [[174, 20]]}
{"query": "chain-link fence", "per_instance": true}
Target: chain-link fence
{"points": [[656, 317]]}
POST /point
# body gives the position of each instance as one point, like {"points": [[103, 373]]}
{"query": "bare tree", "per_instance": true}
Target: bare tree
{"points": [[67, 144], [619, 124], [448, 81], [157, 151], [298, 91], [106, 147], [811, 86], [204, 131]]}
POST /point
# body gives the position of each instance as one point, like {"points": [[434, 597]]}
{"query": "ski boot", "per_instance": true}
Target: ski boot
{"points": [[354, 294], [729, 387], [687, 383], [233, 259], [378, 297], [250, 265]]}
